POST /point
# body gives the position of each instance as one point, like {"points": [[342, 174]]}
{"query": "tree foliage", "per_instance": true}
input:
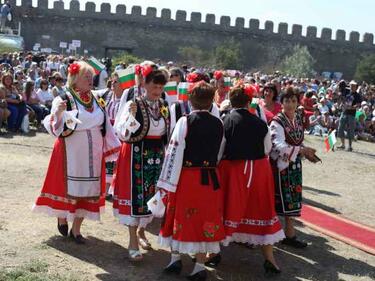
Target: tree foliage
{"points": [[366, 69], [300, 63], [228, 55], [126, 58]]}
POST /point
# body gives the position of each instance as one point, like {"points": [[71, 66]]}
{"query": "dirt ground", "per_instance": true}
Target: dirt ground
{"points": [[31, 249]]}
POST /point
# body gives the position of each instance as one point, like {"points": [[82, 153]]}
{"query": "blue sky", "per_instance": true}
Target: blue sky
{"points": [[336, 14]]}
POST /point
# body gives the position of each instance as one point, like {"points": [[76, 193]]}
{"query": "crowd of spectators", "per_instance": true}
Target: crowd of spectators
{"points": [[29, 83]]}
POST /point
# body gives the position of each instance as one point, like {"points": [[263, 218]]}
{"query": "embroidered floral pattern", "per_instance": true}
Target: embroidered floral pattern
{"points": [[147, 160], [209, 229], [176, 228], [189, 212]]}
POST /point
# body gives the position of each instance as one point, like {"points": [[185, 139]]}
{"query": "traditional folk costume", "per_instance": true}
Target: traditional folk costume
{"points": [[112, 104], [193, 221], [141, 158], [75, 182], [287, 137], [183, 108], [249, 199]]}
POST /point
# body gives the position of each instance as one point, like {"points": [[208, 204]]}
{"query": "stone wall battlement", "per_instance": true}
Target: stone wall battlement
{"points": [[196, 22]]}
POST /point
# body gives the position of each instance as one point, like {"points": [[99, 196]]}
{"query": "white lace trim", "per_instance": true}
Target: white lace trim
{"points": [[268, 239], [246, 221], [79, 213], [189, 247], [132, 221]]}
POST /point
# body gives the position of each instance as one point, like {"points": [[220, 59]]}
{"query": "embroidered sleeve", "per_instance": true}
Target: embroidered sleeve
{"points": [[54, 124], [174, 157], [125, 122], [281, 150], [172, 110], [111, 143]]}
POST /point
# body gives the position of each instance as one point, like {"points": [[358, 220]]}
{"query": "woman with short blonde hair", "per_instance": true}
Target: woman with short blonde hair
{"points": [[74, 188]]}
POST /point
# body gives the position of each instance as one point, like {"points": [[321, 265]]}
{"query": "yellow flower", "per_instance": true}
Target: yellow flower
{"points": [[164, 111], [101, 102]]}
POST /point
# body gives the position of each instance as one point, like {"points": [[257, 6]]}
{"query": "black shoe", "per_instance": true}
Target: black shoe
{"points": [[78, 239], [294, 242], [63, 229], [214, 261], [174, 268], [199, 276], [270, 269]]}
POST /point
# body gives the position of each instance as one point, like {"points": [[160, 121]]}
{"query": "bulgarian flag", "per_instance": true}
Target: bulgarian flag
{"points": [[171, 88], [183, 91], [253, 105], [97, 65], [126, 78], [330, 140], [227, 83]]}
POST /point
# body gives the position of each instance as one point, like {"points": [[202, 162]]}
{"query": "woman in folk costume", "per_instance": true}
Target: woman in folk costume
{"points": [[193, 222], [112, 103], [138, 89], [249, 197], [287, 133], [221, 90], [143, 126], [183, 107], [74, 187]]}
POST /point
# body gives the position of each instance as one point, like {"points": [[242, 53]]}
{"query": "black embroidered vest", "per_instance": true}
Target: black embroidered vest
{"points": [[244, 134]]}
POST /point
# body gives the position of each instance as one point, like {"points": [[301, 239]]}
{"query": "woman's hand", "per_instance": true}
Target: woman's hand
{"points": [[61, 107], [133, 108], [307, 152]]}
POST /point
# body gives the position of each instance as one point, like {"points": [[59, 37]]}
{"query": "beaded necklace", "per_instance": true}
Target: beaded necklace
{"points": [[84, 98]]}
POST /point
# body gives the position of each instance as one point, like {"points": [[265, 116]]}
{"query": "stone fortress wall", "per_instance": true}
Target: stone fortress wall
{"points": [[153, 36]]}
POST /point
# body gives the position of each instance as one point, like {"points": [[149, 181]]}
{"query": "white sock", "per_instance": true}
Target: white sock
{"points": [[174, 258], [197, 268]]}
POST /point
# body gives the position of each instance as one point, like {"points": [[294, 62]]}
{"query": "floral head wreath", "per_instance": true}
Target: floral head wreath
{"points": [[74, 69], [218, 75], [143, 70], [247, 89]]}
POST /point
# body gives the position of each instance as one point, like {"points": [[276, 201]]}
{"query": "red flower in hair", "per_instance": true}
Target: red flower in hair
{"points": [[138, 69], [192, 77], [250, 90], [146, 70], [218, 75], [74, 69]]}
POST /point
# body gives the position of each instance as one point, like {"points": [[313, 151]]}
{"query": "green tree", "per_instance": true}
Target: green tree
{"points": [[126, 58], [228, 55], [300, 63], [366, 69], [192, 55]]}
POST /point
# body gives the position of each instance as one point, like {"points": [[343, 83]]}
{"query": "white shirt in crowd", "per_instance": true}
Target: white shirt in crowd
{"points": [[45, 96], [103, 76]]}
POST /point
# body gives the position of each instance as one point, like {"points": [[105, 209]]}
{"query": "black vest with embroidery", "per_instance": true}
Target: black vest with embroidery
{"points": [[203, 140], [143, 117], [244, 134], [71, 104]]}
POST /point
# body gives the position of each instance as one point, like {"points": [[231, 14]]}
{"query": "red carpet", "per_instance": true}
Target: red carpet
{"points": [[352, 233]]}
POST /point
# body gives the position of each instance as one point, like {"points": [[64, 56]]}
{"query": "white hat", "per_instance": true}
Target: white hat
{"points": [[363, 103], [148, 62], [170, 63], [353, 83]]}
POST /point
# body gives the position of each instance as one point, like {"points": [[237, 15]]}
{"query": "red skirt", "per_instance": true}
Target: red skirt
{"points": [[53, 198], [193, 221], [249, 202]]}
